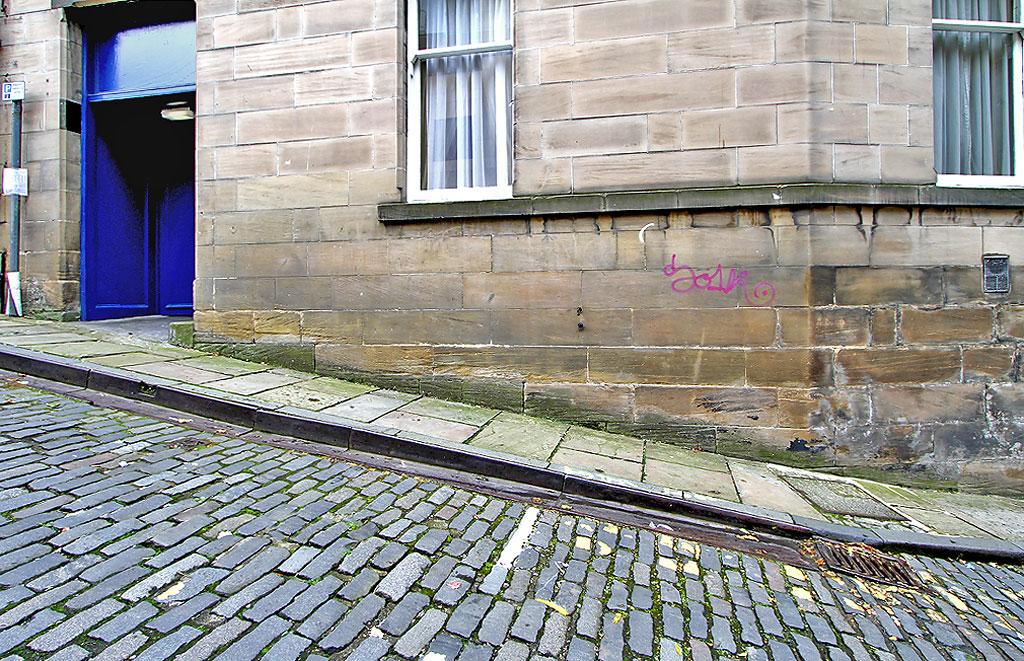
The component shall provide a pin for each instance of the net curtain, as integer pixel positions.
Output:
(461, 93)
(973, 87)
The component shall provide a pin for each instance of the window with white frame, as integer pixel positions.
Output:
(979, 117)
(460, 100)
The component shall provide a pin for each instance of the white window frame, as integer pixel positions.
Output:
(414, 148)
(1015, 180)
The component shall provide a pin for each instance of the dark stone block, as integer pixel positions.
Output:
(292, 356)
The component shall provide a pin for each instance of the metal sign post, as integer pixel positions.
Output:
(14, 92)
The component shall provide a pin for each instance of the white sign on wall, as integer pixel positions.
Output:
(12, 91)
(15, 181)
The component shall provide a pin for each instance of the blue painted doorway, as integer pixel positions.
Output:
(138, 168)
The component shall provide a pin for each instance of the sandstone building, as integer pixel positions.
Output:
(448, 196)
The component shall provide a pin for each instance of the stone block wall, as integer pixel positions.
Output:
(639, 94)
(871, 345)
(44, 51)
(874, 346)
(299, 136)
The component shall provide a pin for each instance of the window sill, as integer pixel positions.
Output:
(702, 198)
(451, 195)
(978, 181)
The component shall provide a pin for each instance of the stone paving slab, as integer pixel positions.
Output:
(451, 411)
(301, 397)
(520, 435)
(223, 365)
(679, 455)
(688, 478)
(44, 337)
(601, 442)
(455, 432)
(369, 407)
(417, 569)
(85, 349)
(178, 372)
(315, 394)
(631, 470)
(759, 486)
(128, 359)
(840, 497)
(949, 523)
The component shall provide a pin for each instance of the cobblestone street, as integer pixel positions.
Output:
(128, 537)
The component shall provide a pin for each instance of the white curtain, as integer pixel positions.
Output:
(463, 94)
(973, 91)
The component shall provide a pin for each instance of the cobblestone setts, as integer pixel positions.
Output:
(122, 536)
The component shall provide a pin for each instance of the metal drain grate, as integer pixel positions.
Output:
(866, 562)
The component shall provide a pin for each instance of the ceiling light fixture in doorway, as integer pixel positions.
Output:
(177, 111)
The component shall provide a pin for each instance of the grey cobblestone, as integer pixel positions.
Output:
(76, 626)
(468, 614)
(311, 598)
(322, 619)
(611, 643)
(360, 585)
(250, 645)
(352, 624)
(123, 648)
(70, 653)
(247, 595)
(119, 562)
(263, 562)
(416, 638)
(183, 612)
(327, 560)
(288, 648)
(214, 640)
(403, 576)
(125, 622)
(455, 586)
(169, 645)
(105, 485)
(108, 587)
(13, 636)
(405, 611)
(275, 601)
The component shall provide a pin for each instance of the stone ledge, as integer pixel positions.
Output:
(783, 195)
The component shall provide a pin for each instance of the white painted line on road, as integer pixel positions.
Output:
(517, 542)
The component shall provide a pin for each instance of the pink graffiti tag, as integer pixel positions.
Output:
(763, 293)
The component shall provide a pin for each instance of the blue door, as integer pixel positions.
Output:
(138, 208)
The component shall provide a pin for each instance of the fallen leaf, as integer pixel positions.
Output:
(801, 593)
(553, 605)
(171, 591)
(853, 604)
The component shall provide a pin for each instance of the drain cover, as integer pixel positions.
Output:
(866, 562)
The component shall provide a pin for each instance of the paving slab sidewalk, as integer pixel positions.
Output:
(788, 493)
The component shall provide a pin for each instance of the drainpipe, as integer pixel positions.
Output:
(13, 269)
